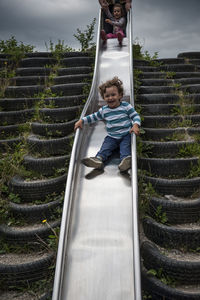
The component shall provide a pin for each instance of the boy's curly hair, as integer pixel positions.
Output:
(109, 83)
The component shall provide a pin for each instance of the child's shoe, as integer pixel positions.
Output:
(120, 38)
(103, 36)
(125, 164)
(93, 162)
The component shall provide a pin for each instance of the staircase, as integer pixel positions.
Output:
(169, 96)
(38, 110)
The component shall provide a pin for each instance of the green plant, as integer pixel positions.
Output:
(176, 85)
(159, 273)
(11, 164)
(58, 49)
(14, 198)
(146, 191)
(146, 296)
(176, 136)
(137, 81)
(189, 150)
(170, 75)
(6, 72)
(194, 170)
(147, 56)
(160, 215)
(138, 54)
(143, 150)
(15, 49)
(183, 110)
(180, 123)
(85, 38)
(53, 239)
(137, 49)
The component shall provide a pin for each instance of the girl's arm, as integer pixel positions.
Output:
(119, 23)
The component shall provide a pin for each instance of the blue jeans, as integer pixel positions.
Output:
(110, 144)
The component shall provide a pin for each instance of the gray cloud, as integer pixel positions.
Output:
(168, 27)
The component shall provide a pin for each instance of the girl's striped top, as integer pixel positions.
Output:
(118, 120)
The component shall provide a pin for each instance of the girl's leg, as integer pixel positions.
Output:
(120, 36)
(103, 35)
(111, 35)
(125, 146)
(109, 144)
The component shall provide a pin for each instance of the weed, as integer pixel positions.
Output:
(14, 198)
(146, 191)
(196, 137)
(159, 273)
(52, 238)
(146, 296)
(16, 50)
(152, 59)
(11, 164)
(47, 93)
(58, 49)
(143, 150)
(189, 150)
(183, 110)
(138, 54)
(176, 85)
(160, 216)
(194, 170)
(86, 89)
(137, 49)
(6, 73)
(176, 136)
(85, 38)
(170, 75)
(137, 81)
(180, 123)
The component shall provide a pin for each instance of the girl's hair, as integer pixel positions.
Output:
(120, 6)
(109, 83)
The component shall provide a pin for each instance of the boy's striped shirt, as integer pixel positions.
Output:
(118, 120)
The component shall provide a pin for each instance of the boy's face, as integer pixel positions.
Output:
(112, 97)
(117, 12)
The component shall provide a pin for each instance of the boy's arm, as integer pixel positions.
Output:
(135, 129)
(97, 116)
(135, 117)
(78, 124)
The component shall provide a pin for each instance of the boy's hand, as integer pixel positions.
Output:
(135, 129)
(78, 124)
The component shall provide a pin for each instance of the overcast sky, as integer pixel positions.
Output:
(164, 26)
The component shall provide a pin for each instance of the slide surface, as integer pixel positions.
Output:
(95, 257)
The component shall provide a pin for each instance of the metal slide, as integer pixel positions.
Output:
(98, 254)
